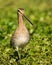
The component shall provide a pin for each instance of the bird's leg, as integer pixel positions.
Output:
(18, 50)
(19, 54)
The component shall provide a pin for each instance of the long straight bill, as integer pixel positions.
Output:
(28, 19)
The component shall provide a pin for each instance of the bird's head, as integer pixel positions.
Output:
(21, 11)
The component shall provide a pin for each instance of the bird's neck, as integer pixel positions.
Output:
(20, 20)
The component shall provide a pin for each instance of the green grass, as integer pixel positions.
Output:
(39, 49)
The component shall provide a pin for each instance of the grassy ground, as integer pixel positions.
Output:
(39, 49)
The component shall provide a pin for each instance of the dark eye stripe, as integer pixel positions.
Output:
(18, 11)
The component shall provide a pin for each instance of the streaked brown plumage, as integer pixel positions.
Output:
(21, 35)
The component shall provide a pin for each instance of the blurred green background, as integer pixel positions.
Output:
(39, 49)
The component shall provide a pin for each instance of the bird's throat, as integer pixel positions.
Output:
(20, 21)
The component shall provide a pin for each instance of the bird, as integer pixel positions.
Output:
(21, 35)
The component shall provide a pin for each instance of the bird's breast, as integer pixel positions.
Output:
(21, 39)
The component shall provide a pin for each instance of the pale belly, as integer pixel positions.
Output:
(21, 40)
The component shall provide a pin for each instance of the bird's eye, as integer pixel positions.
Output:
(18, 10)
